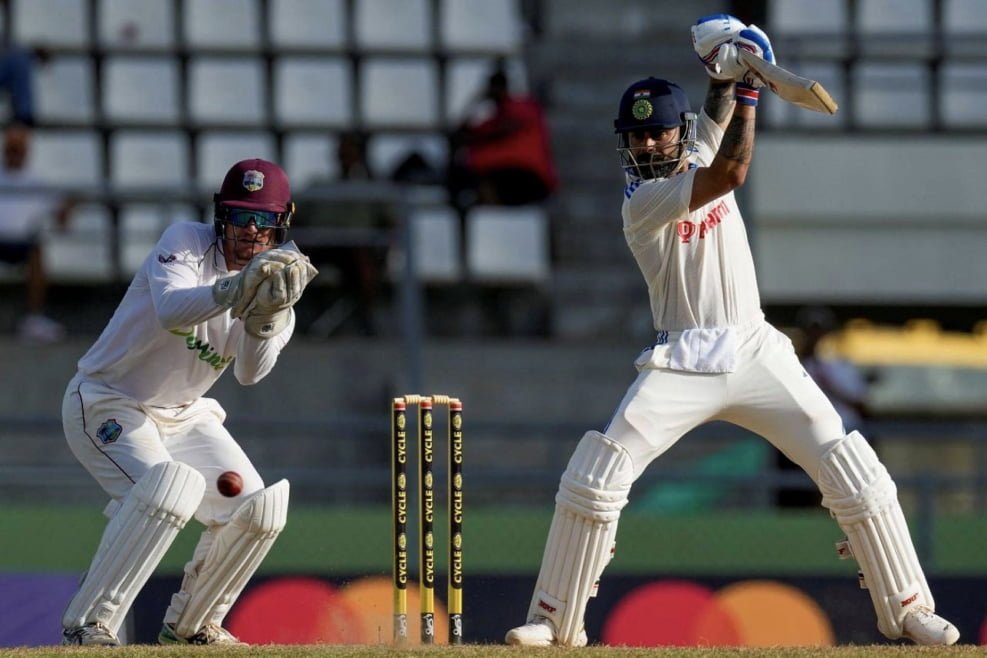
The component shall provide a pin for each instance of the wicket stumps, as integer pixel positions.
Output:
(426, 515)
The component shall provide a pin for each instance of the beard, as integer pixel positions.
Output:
(243, 248)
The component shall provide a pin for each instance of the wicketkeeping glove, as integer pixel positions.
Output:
(239, 289)
(266, 325)
(283, 288)
(269, 312)
(712, 39)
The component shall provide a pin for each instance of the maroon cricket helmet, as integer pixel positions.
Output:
(257, 185)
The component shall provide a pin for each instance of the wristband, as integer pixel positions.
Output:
(746, 94)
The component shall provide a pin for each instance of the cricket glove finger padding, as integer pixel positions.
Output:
(269, 312)
(156, 508)
(237, 291)
(284, 288)
(226, 558)
(712, 39)
(753, 39)
(580, 542)
(860, 494)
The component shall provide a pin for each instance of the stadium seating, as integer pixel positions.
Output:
(143, 93)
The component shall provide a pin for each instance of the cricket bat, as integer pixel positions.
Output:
(795, 89)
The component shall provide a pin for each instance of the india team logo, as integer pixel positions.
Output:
(642, 109)
(253, 180)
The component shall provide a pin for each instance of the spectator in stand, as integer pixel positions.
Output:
(501, 155)
(359, 260)
(17, 65)
(25, 206)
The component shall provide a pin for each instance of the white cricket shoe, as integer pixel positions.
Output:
(922, 626)
(539, 632)
(208, 634)
(90, 635)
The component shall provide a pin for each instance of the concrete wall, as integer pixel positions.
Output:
(847, 219)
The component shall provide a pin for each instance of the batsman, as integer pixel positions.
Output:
(715, 357)
(207, 297)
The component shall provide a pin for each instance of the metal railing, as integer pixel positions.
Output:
(400, 200)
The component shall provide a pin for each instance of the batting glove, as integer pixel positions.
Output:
(712, 39)
(753, 39)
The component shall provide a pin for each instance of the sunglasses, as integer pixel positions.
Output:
(262, 219)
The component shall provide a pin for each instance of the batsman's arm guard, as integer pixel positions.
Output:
(860, 494)
(580, 542)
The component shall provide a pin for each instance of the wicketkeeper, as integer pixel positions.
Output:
(207, 297)
(714, 358)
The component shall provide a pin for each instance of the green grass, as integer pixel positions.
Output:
(492, 651)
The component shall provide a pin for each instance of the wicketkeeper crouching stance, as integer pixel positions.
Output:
(715, 357)
(134, 415)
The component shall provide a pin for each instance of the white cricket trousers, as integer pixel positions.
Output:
(117, 439)
(768, 393)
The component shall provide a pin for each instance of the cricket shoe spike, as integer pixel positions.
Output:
(208, 634)
(539, 632)
(924, 627)
(90, 635)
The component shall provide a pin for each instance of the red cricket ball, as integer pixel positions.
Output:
(229, 484)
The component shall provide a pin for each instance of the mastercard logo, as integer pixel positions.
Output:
(750, 613)
(753, 613)
(302, 610)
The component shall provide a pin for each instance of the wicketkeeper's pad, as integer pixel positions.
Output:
(158, 505)
(225, 560)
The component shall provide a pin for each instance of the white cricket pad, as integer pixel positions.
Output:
(860, 494)
(591, 494)
(226, 558)
(157, 507)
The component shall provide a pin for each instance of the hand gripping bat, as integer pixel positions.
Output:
(795, 89)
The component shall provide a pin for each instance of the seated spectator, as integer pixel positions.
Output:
(24, 209)
(503, 158)
(359, 263)
(415, 169)
(17, 65)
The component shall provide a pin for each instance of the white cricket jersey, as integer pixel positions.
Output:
(698, 265)
(168, 341)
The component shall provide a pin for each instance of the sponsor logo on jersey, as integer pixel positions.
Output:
(170, 258)
(206, 352)
(109, 431)
(687, 230)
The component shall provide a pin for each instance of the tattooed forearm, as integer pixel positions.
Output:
(719, 101)
(738, 141)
